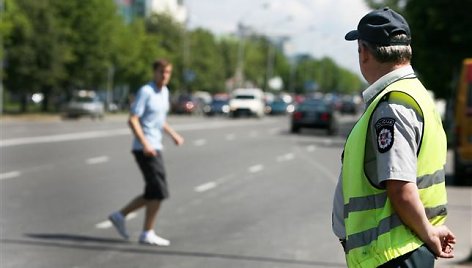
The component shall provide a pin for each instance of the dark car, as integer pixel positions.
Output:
(217, 107)
(348, 106)
(314, 113)
(185, 104)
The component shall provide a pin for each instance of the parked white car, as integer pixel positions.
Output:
(247, 101)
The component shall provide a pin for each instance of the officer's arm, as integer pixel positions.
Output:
(406, 202)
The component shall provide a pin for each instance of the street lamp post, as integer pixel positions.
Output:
(271, 52)
(239, 74)
(242, 32)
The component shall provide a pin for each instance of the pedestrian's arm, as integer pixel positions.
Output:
(406, 202)
(135, 126)
(178, 139)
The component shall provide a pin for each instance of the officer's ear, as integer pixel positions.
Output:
(364, 52)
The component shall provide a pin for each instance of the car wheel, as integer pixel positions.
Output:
(234, 114)
(295, 129)
(459, 171)
(332, 131)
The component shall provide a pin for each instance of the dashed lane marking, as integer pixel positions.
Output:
(200, 142)
(9, 175)
(285, 157)
(230, 137)
(205, 187)
(274, 131)
(107, 224)
(253, 134)
(97, 160)
(256, 168)
(311, 148)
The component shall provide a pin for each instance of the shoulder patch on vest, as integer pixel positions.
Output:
(384, 130)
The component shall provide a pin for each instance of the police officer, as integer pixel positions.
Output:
(390, 202)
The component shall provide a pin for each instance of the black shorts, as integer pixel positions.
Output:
(154, 175)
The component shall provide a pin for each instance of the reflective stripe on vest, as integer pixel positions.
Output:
(374, 232)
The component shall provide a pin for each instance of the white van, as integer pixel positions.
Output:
(247, 101)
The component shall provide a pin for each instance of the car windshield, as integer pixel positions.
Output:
(313, 106)
(219, 102)
(83, 99)
(244, 97)
(184, 98)
(279, 102)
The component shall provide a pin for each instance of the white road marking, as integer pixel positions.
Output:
(65, 137)
(253, 134)
(328, 142)
(205, 187)
(256, 168)
(103, 225)
(122, 131)
(273, 131)
(97, 160)
(200, 142)
(285, 157)
(230, 137)
(10, 175)
(107, 224)
(311, 148)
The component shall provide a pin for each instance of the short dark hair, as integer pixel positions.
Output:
(160, 63)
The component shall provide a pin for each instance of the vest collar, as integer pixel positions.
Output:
(374, 89)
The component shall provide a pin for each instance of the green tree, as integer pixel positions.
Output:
(228, 48)
(206, 62)
(136, 51)
(35, 62)
(255, 60)
(169, 35)
(281, 67)
(441, 38)
(326, 74)
(91, 26)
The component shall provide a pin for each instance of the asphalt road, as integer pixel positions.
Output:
(244, 193)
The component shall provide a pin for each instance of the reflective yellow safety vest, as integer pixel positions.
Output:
(374, 233)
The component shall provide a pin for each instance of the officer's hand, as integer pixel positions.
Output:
(442, 242)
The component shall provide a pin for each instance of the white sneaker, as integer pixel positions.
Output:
(119, 222)
(150, 238)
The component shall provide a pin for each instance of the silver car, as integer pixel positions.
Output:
(85, 103)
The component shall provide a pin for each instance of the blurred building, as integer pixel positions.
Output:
(131, 9)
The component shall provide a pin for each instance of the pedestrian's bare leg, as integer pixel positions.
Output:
(135, 204)
(152, 207)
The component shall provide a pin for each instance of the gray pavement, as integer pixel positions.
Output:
(244, 193)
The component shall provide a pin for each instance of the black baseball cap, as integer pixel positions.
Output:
(378, 26)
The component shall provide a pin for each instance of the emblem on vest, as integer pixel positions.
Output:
(384, 129)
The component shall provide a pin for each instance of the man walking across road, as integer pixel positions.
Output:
(390, 202)
(148, 121)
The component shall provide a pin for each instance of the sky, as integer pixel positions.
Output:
(316, 27)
